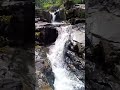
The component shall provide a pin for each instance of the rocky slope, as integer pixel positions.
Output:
(17, 70)
(102, 45)
(44, 74)
(15, 25)
(17, 66)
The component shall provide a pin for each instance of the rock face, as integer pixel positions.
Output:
(19, 27)
(44, 74)
(60, 15)
(46, 35)
(75, 60)
(43, 15)
(74, 52)
(17, 70)
(76, 14)
(102, 45)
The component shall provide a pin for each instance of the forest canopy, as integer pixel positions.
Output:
(45, 4)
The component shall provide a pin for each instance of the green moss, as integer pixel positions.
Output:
(5, 19)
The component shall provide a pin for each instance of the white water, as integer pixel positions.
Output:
(64, 80)
(53, 16)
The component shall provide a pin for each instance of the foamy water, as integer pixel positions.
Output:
(64, 80)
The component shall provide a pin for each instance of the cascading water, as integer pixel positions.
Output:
(53, 16)
(64, 79)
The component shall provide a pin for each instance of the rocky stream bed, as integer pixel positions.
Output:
(60, 56)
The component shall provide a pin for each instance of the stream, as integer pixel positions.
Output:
(64, 79)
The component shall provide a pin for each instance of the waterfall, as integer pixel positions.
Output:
(64, 80)
(53, 16)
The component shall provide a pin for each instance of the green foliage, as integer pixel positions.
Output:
(79, 1)
(46, 4)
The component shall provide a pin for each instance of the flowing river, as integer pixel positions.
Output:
(64, 79)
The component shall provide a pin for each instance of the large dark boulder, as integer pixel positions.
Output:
(47, 35)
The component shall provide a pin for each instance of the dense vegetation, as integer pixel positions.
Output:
(45, 4)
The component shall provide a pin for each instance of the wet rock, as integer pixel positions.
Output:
(47, 35)
(76, 15)
(60, 15)
(43, 15)
(44, 74)
(74, 21)
(37, 20)
(74, 58)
